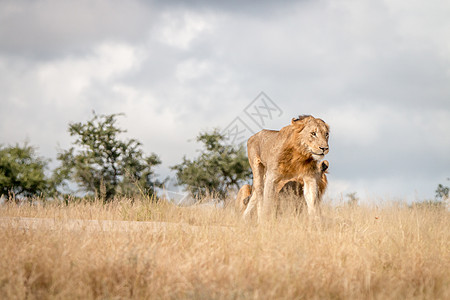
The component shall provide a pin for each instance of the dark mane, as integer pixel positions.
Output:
(301, 117)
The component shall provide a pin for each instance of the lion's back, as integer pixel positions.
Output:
(264, 145)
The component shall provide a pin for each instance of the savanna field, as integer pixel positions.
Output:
(75, 251)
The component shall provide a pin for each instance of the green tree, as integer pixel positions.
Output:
(442, 192)
(104, 165)
(22, 172)
(217, 169)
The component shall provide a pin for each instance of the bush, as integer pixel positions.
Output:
(22, 172)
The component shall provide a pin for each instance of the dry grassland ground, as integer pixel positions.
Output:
(394, 252)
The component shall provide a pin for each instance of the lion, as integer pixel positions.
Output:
(242, 198)
(290, 154)
(285, 190)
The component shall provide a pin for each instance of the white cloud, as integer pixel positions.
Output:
(65, 80)
(192, 69)
(180, 28)
(46, 28)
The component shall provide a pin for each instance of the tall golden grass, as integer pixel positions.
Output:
(393, 252)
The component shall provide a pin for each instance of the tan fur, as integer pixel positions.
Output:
(297, 185)
(285, 188)
(242, 198)
(291, 154)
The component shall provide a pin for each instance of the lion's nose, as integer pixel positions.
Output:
(323, 149)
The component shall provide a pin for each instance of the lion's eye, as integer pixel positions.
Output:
(313, 134)
(327, 134)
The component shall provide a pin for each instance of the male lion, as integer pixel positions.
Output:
(277, 157)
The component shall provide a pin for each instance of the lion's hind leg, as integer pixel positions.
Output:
(258, 189)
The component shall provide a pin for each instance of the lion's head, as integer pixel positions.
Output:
(306, 143)
(312, 135)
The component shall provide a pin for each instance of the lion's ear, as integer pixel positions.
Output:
(298, 124)
(296, 121)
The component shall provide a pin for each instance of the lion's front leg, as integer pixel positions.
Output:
(311, 194)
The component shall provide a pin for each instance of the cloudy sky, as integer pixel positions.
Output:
(377, 71)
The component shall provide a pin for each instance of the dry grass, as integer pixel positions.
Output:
(393, 252)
